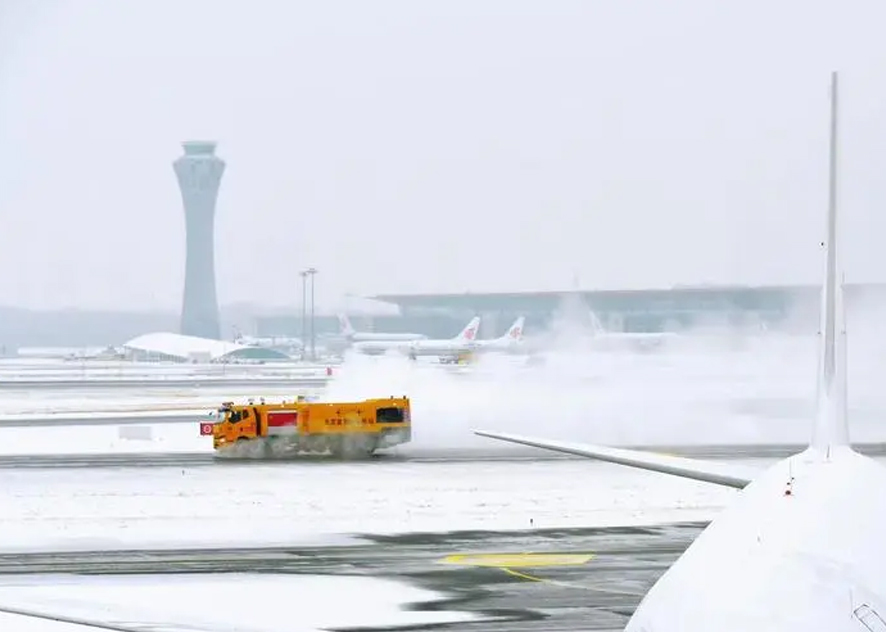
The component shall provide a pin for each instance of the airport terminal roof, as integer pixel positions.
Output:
(747, 297)
(520, 301)
(182, 347)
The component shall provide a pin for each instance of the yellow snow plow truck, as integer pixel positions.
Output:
(347, 429)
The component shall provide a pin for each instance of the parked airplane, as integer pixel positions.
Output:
(352, 335)
(451, 347)
(461, 344)
(510, 342)
(801, 547)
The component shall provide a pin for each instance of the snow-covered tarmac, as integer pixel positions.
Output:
(696, 391)
(186, 603)
(750, 390)
(274, 504)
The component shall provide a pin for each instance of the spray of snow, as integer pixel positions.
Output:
(714, 385)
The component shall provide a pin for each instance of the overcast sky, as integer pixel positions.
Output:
(424, 146)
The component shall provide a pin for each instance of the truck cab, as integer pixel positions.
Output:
(235, 423)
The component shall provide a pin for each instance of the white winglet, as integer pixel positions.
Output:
(710, 472)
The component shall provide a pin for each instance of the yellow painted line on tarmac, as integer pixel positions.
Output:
(525, 576)
(508, 562)
(519, 560)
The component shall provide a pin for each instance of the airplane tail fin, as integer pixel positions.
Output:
(345, 324)
(831, 424)
(515, 333)
(470, 331)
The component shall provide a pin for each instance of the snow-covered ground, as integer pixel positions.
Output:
(754, 390)
(695, 390)
(284, 503)
(129, 438)
(281, 503)
(190, 603)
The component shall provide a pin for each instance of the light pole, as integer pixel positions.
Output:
(304, 310)
(312, 272)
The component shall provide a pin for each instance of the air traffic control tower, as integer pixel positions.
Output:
(199, 174)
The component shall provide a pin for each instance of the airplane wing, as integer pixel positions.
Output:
(710, 472)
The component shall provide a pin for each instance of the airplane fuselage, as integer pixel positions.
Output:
(379, 347)
(412, 347)
(459, 344)
(440, 347)
(382, 337)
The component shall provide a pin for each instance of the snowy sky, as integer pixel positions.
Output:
(459, 145)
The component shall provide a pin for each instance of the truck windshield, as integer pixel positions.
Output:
(389, 415)
(233, 416)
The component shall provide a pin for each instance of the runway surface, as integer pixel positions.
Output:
(427, 455)
(518, 581)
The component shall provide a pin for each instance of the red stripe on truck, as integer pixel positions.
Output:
(275, 420)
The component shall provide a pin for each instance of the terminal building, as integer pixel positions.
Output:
(443, 315)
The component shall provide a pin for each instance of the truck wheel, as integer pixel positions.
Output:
(356, 447)
(336, 447)
(267, 448)
(249, 448)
